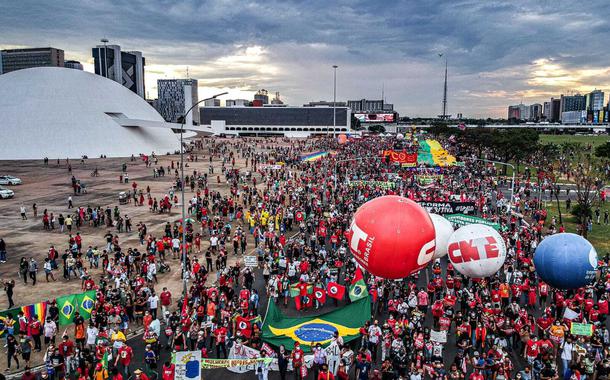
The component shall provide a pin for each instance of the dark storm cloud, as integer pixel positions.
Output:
(482, 39)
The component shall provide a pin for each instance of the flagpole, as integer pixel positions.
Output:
(266, 311)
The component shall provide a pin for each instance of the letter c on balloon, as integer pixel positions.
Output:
(426, 252)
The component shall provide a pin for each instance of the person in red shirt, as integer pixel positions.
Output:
(422, 300)
(476, 375)
(35, 332)
(166, 300)
(532, 349)
(124, 356)
(602, 305)
(139, 375)
(220, 335)
(325, 374)
(298, 358)
(168, 371)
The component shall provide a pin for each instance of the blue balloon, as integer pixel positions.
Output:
(566, 261)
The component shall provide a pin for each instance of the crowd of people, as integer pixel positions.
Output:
(292, 215)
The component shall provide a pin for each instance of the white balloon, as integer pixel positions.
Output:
(443, 230)
(400, 136)
(476, 250)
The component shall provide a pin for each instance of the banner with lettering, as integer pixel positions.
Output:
(459, 220)
(234, 363)
(380, 184)
(403, 158)
(443, 208)
(428, 179)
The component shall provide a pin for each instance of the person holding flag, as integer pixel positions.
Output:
(357, 289)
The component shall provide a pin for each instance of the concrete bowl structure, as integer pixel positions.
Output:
(59, 113)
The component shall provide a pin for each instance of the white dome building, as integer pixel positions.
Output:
(59, 113)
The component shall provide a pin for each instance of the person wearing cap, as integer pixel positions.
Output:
(140, 375)
(100, 372)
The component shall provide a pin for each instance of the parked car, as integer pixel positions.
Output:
(6, 193)
(9, 180)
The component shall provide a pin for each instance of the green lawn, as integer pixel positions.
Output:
(558, 139)
(599, 237)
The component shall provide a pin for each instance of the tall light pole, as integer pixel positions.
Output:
(334, 98)
(105, 41)
(182, 185)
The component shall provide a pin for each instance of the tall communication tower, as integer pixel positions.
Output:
(444, 115)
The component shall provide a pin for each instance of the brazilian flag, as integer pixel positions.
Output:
(295, 291)
(14, 313)
(279, 329)
(86, 302)
(67, 306)
(357, 289)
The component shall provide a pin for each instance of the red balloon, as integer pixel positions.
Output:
(391, 237)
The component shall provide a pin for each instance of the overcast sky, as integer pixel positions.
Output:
(499, 52)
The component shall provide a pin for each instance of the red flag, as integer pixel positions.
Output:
(374, 294)
(335, 290)
(297, 302)
(299, 216)
(244, 326)
(320, 295)
(185, 303)
(357, 276)
(308, 301)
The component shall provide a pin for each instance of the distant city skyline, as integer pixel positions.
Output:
(498, 53)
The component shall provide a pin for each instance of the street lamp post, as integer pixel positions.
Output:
(334, 98)
(182, 185)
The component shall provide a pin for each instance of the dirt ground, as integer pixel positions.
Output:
(50, 186)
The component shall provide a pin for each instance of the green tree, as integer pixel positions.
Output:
(586, 172)
(478, 138)
(603, 150)
(377, 128)
(441, 129)
(514, 144)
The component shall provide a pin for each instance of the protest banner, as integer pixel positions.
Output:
(380, 184)
(403, 158)
(584, 329)
(428, 179)
(438, 336)
(250, 261)
(459, 220)
(232, 364)
(444, 208)
(188, 365)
